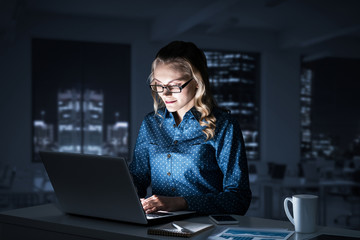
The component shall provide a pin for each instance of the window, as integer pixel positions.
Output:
(80, 97)
(234, 78)
(306, 79)
(330, 120)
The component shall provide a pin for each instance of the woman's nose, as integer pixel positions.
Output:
(167, 92)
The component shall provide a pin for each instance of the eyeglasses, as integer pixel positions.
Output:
(171, 88)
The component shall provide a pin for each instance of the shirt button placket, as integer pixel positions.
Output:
(168, 173)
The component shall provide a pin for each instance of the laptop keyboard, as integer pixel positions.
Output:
(157, 214)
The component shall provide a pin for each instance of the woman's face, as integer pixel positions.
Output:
(180, 103)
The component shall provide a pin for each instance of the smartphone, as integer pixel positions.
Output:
(223, 219)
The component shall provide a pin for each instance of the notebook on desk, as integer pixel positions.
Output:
(99, 186)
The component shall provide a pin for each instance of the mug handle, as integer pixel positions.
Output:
(288, 214)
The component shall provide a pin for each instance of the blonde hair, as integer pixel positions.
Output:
(204, 102)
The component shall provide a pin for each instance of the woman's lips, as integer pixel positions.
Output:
(169, 102)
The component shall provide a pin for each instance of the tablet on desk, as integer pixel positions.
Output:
(333, 237)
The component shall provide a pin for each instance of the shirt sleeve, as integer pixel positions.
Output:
(231, 158)
(139, 167)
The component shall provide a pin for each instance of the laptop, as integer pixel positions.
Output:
(99, 186)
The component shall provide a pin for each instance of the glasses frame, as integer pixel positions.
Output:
(167, 87)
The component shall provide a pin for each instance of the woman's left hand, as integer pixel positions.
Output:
(156, 203)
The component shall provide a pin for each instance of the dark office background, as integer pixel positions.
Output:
(80, 97)
(306, 74)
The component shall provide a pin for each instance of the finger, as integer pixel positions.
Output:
(146, 202)
(145, 205)
(151, 210)
(152, 204)
(148, 205)
(151, 200)
(153, 197)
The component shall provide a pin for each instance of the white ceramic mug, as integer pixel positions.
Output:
(304, 210)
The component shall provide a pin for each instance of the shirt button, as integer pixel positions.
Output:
(174, 125)
(173, 189)
(168, 173)
(169, 155)
(176, 141)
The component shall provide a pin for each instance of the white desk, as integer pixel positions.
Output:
(48, 222)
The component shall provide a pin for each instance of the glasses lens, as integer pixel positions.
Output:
(156, 88)
(174, 89)
(159, 88)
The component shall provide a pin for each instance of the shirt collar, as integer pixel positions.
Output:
(193, 113)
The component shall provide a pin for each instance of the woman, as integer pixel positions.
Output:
(191, 152)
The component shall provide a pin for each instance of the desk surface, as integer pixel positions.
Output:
(50, 219)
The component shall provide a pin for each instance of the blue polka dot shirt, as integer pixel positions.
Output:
(211, 175)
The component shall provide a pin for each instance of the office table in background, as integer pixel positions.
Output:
(48, 222)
